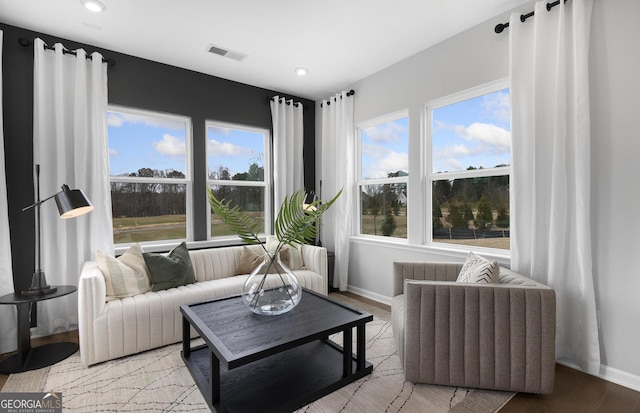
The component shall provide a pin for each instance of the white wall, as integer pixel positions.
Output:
(615, 89)
(480, 56)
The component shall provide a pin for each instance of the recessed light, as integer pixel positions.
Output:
(94, 5)
(301, 71)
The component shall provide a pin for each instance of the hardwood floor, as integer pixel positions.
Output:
(574, 391)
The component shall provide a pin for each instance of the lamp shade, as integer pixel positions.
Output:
(72, 203)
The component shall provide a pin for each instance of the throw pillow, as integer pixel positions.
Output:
(295, 261)
(126, 275)
(171, 270)
(252, 256)
(477, 269)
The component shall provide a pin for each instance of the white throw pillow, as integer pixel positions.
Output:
(126, 275)
(477, 269)
(295, 261)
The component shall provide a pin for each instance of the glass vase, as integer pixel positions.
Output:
(271, 288)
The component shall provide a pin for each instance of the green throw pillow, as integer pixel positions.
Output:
(172, 270)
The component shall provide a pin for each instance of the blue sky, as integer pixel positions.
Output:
(234, 149)
(475, 132)
(139, 141)
(384, 148)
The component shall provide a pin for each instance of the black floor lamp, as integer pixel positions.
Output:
(71, 203)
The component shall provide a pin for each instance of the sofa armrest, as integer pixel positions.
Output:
(496, 336)
(315, 259)
(92, 296)
(431, 271)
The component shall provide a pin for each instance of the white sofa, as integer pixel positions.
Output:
(120, 327)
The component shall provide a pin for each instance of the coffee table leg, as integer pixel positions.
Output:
(360, 336)
(347, 351)
(214, 378)
(186, 338)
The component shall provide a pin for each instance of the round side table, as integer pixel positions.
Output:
(27, 357)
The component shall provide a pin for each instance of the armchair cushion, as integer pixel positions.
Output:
(477, 269)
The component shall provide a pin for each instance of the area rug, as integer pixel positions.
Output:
(158, 381)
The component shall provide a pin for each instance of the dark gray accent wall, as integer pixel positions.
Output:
(137, 83)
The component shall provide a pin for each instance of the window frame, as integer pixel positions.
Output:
(187, 181)
(431, 176)
(361, 182)
(267, 183)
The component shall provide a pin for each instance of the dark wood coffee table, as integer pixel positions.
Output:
(257, 363)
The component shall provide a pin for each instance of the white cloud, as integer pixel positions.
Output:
(384, 161)
(491, 137)
(113, 152)
(387, 132)
(219, 130)
(454, 165)
(498, 106)
(117, 119)
(393, 162)
(216, 148)
(170, 145)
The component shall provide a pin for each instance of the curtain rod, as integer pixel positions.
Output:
(523, 17)
(349, 93)
(26, 43)
(284, 100)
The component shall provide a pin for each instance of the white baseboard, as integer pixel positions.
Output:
(610, 374)
(370, 295)
(607, 373)
(620, 377)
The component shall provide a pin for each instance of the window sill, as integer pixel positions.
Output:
(168, 245)
(459, 253)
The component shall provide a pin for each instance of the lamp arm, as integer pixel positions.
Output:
(38, 203)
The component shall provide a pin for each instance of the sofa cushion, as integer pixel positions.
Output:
(253, 256)
(295, 261)
(479, 269)
(126, 275)
(172, 270)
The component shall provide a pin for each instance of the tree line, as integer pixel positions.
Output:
(489, 196)
(139, 199)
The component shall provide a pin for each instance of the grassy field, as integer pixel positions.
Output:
(501, 243)
(371, 225)
(140, 229)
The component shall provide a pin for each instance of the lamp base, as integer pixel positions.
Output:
(39, 285)
(38, 291)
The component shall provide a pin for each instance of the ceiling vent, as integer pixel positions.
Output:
(231, 54)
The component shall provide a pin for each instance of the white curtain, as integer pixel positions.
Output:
(7, 312)
(338, 172)
(70, 144)
(288, 142)
(551, 234)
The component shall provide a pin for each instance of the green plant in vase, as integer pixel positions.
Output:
(272, 288)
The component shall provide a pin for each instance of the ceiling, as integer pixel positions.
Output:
(338, 41)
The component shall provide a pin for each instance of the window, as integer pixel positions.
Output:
(383, 175)
(238, 170)
(149, 161)
(470, 167)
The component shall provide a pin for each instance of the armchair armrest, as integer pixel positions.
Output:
(428, 271)
(92, 296)
(315, 259)
(497, 336)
